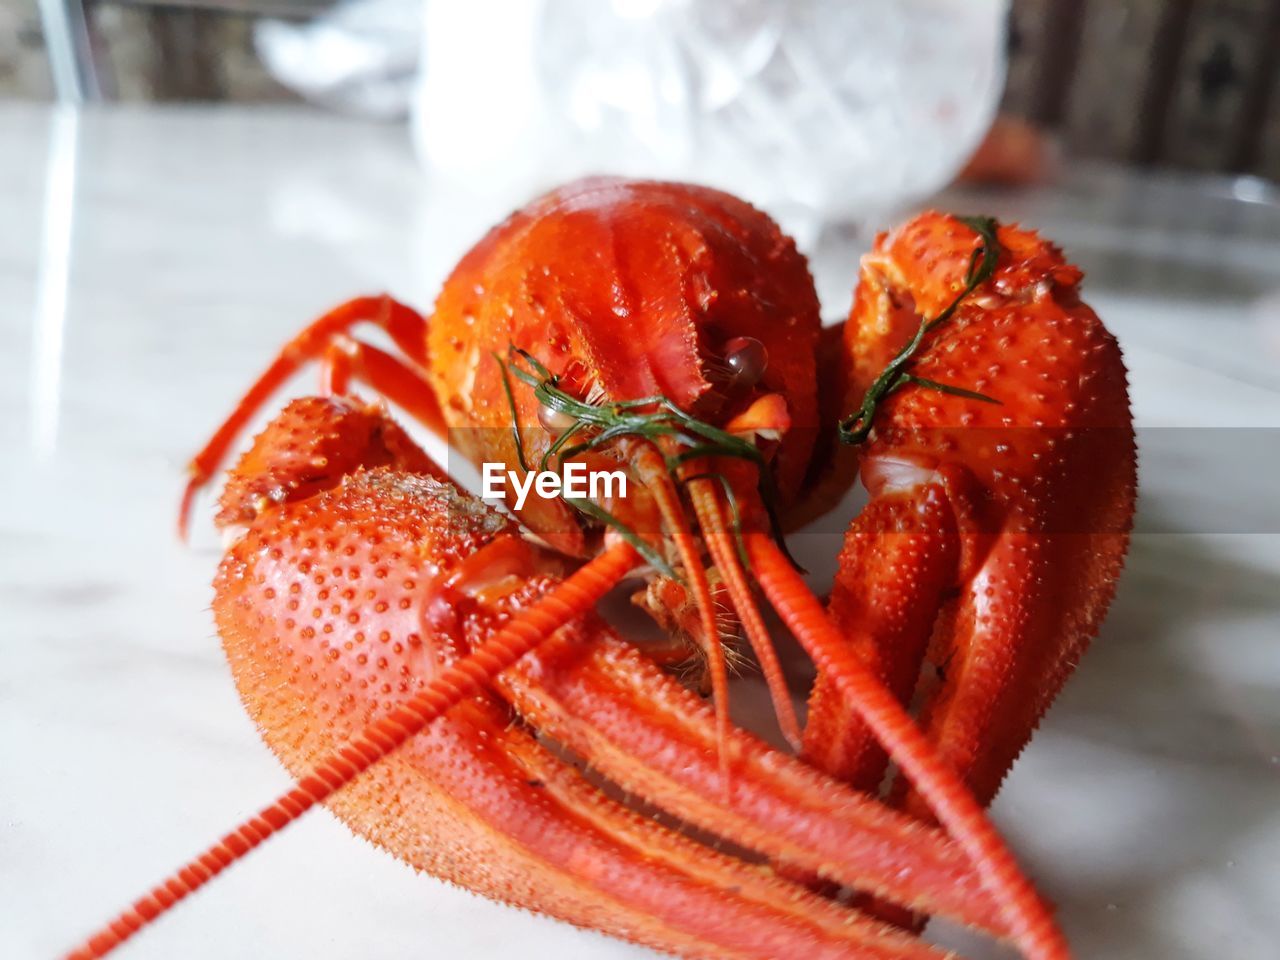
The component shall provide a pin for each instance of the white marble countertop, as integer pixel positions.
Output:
(134, 307)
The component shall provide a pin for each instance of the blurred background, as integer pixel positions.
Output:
(1183, 83)
(826, 113)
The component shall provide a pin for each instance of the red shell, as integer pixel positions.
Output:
(677, 271)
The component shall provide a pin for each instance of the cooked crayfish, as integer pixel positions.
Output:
(432, 669)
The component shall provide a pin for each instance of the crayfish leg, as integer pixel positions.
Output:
(655, 740)
(899, 560)
(664, 493)
(347, 359)
(406, 327)
(710, 508)
(1019, 627)
(951, 802)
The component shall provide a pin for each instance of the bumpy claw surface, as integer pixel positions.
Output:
(337, 607)
(996, 533)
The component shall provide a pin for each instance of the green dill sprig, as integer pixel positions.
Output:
(594, 425)
(855, 428)
(515, 423)
(585, 507)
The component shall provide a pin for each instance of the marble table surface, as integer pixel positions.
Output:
(151, 260)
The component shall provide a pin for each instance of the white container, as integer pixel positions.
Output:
(816, 110)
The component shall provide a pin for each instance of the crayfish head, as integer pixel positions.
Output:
(621, 291)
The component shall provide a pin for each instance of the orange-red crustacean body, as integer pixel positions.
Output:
(431, 672)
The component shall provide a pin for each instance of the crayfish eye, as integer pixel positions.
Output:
(554, 421)
(746, 359)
